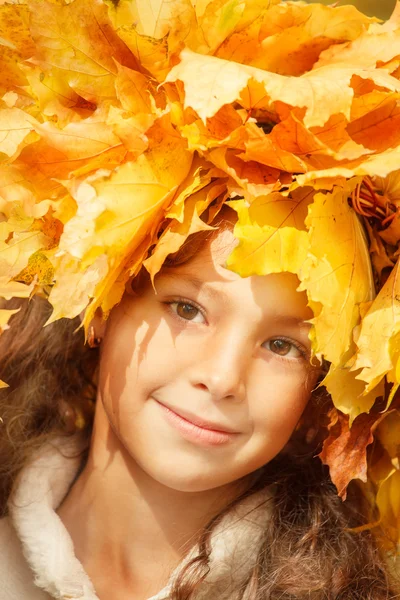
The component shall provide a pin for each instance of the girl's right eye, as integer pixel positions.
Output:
(187, 311)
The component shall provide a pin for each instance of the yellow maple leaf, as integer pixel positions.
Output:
(77, 40)
(14, 289)
(388, 503)
(5, 316)
(379, 128)
(247, 178)
(219, 82)
(130, 129)
(292, 36)
(272, 234)
(81, 146)
(377, 352)
(380, 165)
(15, 126)
(75, 286)
(135, 199)
(348, 393)
(16, 250)
(178, 232)
(17, 46)
(375, 44)
(337, 277)
(54, 97)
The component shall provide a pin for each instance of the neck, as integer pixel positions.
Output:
(140, 528)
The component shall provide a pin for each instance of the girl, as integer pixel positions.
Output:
(174, 458)
(194, 481)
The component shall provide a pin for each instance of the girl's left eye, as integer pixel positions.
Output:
(187, 311)
(283, 347)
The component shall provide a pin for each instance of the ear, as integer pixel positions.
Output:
(97, 328)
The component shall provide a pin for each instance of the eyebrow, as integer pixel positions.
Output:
(195, 282)
(291, 320)
(200, 285)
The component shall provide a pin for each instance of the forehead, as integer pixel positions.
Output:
(206, 271)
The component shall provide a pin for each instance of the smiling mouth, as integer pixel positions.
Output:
(197, 430)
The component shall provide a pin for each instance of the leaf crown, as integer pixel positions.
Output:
(124, 123)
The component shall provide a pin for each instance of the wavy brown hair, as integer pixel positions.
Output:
(309, 548)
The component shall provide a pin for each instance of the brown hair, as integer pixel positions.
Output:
(309, 550)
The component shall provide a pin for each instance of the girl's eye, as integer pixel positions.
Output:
(187, 311)
(283, 348)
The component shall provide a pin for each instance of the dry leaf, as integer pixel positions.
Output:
(378, 351)
(218, 82)
(271, 233)
(345, 449)
(337, 277)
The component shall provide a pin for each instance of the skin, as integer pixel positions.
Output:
(232, 351)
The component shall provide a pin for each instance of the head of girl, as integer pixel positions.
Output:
(204, 375)
(198, 386)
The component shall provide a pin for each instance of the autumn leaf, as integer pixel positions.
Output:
(15, 126)
(373, 45)
(377, 348)
(349, 394)
(13, 289)
(379, 165)
(379, 254)
(77, 40)
(345, 449)
(378, 129)
(291, 36)
(16, 248)
(337, 278)
(17, 45)
(78, 148)
(151, 180)
(178, 232)
(248, 178)
(272, 234)
(133, 90)
(220, 82)
(75, 286)
(388, 503)
(5, 316)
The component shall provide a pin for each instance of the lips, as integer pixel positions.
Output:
(198, 421)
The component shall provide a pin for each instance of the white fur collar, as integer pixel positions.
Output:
(48, 548)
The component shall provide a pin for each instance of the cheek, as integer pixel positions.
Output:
(136, 358)
(279, 402)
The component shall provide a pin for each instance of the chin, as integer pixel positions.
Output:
(187, 479)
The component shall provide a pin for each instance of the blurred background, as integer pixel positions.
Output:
(377, 8)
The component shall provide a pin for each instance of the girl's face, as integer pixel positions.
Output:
(204, 380)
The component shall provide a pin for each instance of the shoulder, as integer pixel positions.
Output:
(15, 575)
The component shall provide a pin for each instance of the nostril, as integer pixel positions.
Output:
(201, 386)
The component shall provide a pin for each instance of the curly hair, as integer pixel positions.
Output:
(310, 548)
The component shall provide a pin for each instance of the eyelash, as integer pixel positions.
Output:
(299, 347)
(169, 303)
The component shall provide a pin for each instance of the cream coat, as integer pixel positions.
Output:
(37, 560)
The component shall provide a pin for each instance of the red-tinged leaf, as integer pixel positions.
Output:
(345, 449)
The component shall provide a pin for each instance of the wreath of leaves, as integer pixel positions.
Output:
(122, 123)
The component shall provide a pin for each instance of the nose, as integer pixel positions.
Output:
(223, 367)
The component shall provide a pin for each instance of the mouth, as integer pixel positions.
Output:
(197, 429)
